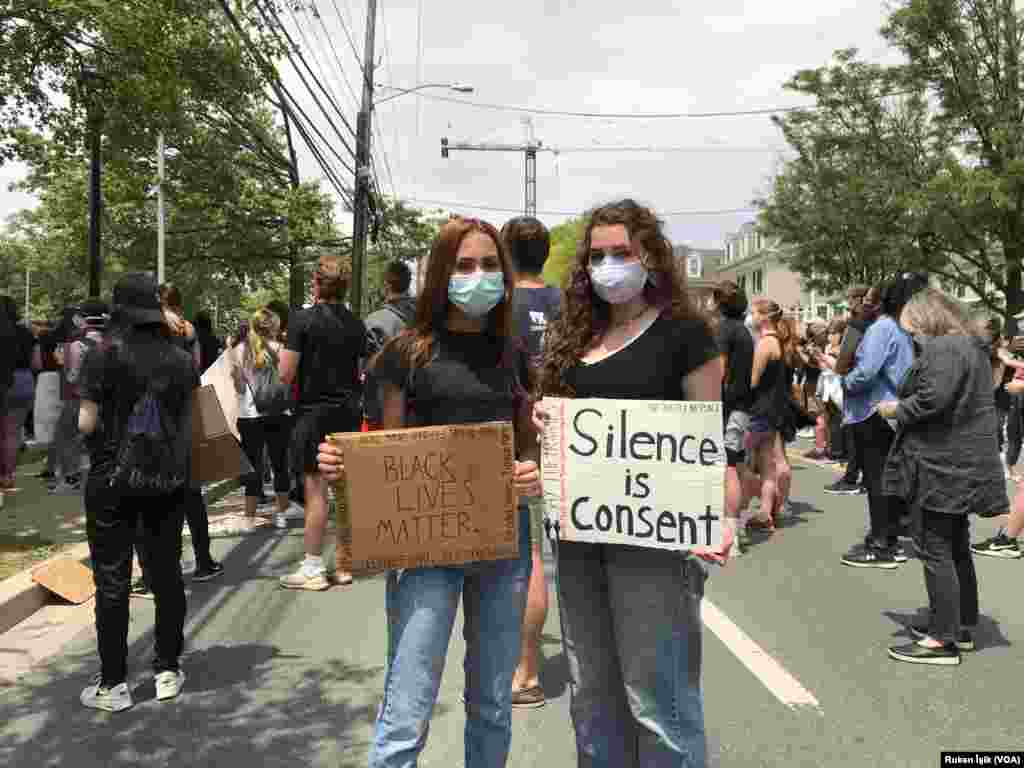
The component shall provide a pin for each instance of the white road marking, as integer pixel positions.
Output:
(786, 688)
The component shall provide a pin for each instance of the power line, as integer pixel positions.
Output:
(334, 50)
(637, 115)
(348, 35)
(317, 60)
(451, 204)
(298, 52)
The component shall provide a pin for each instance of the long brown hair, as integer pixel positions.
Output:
(432, 307)
(587, 315)
(783, 329)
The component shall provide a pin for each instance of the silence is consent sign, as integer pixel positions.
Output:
(640, 472)
(430, 496)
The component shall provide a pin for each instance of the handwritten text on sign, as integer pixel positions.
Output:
(640, 472)
(430, 496)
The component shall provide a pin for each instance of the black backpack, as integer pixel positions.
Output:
(152, 458)
(270, 395)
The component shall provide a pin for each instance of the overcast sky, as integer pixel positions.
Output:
(572, 55)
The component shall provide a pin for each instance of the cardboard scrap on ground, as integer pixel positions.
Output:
(431, 496)
(640, 472)
(66, 578)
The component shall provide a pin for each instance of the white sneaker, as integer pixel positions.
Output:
(303, 579)
(116, 699)
(295, 512)
(168, 684)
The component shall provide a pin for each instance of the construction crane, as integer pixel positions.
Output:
(529, 149)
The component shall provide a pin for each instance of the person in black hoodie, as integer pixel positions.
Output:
(395, 316)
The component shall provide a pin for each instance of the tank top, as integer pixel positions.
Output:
(769, 394)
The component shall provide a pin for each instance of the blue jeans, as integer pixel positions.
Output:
(421, 607)
(631, 630)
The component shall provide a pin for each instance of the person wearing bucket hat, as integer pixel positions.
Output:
(142, 365)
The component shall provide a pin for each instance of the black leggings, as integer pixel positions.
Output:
(274, 433)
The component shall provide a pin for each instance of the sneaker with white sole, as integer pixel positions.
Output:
(168, 683)
(303, 579)
(999, 545)
(116, 698)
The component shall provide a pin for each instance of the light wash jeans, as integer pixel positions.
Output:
(421, 606)
(631, 630)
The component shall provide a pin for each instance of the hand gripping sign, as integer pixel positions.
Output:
(430, 496)
(641, 472)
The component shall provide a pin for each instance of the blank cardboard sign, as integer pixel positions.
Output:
(66, 578)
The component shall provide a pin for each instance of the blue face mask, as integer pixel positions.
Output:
(478, 293)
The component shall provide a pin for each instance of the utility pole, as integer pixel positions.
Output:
(161, 215)
(90, 79)
(529, 150)
(296, 275)
(360, 218)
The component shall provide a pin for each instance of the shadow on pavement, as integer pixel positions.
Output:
(554, 670)
(242, 703)
(987, 635)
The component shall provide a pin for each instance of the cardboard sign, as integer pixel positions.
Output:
(219, 377)
(66, 578)
(216, 454)
(432, 496)
(640, 472)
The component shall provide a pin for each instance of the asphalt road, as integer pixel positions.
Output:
(281, 678)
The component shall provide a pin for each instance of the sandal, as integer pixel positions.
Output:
(528, 698)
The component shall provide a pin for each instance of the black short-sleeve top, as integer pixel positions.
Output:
(652, 366)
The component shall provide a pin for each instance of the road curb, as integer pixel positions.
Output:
(20, 597)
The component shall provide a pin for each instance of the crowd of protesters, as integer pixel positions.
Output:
(924, 407)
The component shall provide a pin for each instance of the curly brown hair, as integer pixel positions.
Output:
(586, 315)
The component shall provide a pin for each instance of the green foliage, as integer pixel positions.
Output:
(234, 222)
(404, 234)
(565, 238)
(885, 179)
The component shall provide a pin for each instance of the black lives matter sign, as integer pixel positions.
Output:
(639, 472)
(430, 496)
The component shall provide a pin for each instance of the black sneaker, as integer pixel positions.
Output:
(870, 557)
(140, 589)
(915, 653)
(899, 553)
(862, 490)
(964, 641)
(209, 571)
(45, 475)
(999, 545)
(842, 488)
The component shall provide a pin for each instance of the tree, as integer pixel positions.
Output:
(968, 52)
(565, 238)
(851, 206)
(888, 178)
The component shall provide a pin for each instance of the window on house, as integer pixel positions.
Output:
(757, 281)
(961, 290)
(693, 266)
(823, 311)
(742, 282)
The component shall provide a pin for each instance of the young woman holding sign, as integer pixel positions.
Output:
(457, 365)
(631, 624)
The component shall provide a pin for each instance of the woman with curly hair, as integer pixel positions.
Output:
(630, 616)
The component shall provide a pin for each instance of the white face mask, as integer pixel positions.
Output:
(617, 281)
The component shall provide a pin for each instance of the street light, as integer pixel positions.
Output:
(456, 87)
(161, 217)
(89, 77)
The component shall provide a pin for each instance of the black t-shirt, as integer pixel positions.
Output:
(532, 310)
(116, 376)
(331, 341)
(736, 343)
(652, 367)
(470, 378)
(24, 342)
